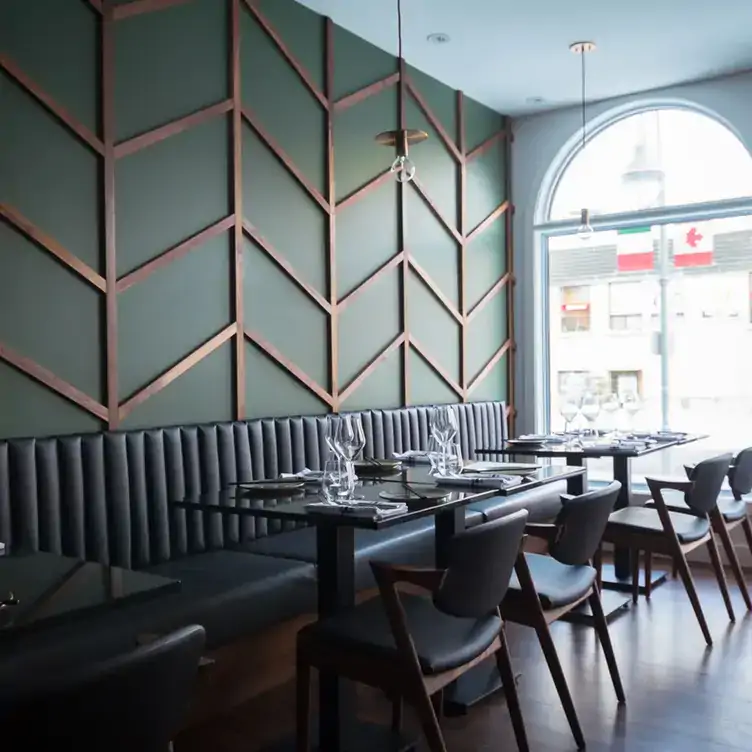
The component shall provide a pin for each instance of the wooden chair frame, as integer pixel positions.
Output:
(404, 678)
(528, 611)
(666, 542)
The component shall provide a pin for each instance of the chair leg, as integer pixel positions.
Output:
(601, 627)
(427, 718)
(648, 574)
(303, 706)
(397, 707)
(747, 532)
(715, 560)
(504, 665)
(689, 586)
(560, 681)
(437, 700)
(674, 568)
(598, 564)
(635, 574)
(736, 567)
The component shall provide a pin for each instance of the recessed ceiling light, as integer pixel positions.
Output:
(535, 100)
(439, 38)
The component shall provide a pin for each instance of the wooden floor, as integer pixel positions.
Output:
(681, 696)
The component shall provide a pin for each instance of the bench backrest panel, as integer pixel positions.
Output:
(105, 497)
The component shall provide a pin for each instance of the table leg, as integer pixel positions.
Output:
(483, 680)
(577, 484)
(619, 575)
(335, 545)
(338, 727)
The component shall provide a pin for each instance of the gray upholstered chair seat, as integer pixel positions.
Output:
(557, 584)
(409, 544)
(542, 504)
(442, 642)
(688, 528)
(731, 509)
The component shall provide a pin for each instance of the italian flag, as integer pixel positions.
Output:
(634, 249)
(693, 245)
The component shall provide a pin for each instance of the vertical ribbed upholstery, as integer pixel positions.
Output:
(106, 497)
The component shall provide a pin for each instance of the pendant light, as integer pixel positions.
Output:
(403, 168)
(585, 230)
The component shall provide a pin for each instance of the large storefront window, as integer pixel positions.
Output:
(653, 322)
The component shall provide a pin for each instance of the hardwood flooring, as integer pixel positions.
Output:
(681, 696)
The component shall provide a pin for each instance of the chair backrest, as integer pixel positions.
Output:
(707, 478)
(581, 523)
(132, 703)
(481, 561)
(740, 473)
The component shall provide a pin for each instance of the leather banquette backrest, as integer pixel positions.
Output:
(106, 497)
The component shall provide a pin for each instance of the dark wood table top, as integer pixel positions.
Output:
(41, 589)
(593, 451)
(242, 501)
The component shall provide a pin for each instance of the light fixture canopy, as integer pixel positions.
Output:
(403, 168)
(585, 230)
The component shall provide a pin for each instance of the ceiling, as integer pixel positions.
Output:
(505, 53)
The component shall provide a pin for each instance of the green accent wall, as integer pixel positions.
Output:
(312, 331)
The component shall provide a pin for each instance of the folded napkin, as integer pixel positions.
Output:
(354, 508)
(479, 480)
(309, 476)
(413, 456)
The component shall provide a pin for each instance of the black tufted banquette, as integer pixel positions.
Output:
(105, 497)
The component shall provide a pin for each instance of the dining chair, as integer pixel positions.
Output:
(726, 516)
(411, 646)
(131, 703)
(655, 528)
(548, 586)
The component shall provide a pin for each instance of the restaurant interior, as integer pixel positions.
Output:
(372, 376)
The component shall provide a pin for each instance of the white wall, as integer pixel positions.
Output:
(539, 142)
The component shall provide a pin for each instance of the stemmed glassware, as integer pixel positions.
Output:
(346, 440)
(590, 407)
(632, 405)
(444, 452)
(610, 406)
(569, 410)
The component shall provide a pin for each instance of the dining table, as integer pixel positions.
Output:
(575, 451)
(338, 728)
(39, 590)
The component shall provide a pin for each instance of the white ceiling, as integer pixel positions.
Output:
(503, 53)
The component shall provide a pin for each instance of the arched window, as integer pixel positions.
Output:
(649, 320)
(621, 168)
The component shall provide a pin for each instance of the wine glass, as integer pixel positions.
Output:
(632, 405)
(568, 409)
(443, 424)
(590, 409)
(610, 406)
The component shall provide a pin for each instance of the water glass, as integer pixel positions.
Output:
(335, 481)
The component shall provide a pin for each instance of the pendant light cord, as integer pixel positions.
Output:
(399, 26)
(582, 58)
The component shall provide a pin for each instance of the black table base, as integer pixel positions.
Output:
(611, 581)
(475, 686)
(357, 737)
(614, 604)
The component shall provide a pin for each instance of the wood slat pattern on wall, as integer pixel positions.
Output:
(333, 303)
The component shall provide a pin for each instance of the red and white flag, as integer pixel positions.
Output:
(634, 249)
(693, 244)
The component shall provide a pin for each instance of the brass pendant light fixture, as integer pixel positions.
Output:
(585, 230)
(402, 167)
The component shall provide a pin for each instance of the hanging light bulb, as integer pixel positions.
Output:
(403, 167)
(585, 230)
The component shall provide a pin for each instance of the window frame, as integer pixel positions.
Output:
(535, 366)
